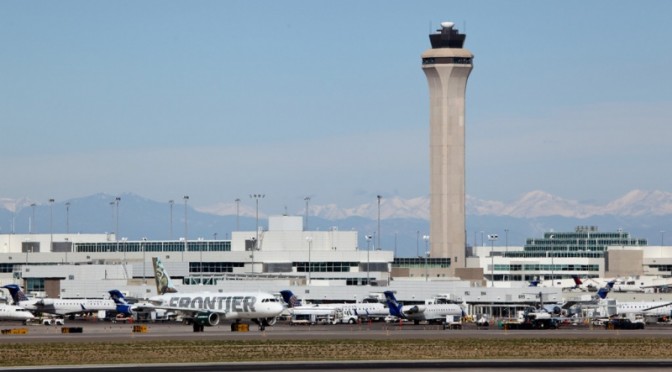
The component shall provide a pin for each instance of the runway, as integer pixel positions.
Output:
(109, 338)
(109, 332)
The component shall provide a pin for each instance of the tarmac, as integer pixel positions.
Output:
(92, 331)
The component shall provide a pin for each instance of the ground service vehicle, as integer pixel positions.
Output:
(531, 320)
(624, 323)
(453, 322)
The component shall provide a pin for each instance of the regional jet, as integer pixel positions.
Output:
(12, 312)
(360, 310)
(206, 308)
(58, 306)
(429, 312)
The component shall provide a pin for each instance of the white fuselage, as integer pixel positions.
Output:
(11, 312)
(233, 305)
(661, 308)
(366, 310)
(66, 307)
(361, 310)
(431, 312)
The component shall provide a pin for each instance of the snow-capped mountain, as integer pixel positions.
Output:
(637, 212)
(530, 205)
(14, 205)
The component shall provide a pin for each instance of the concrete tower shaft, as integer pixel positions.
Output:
(447, 67)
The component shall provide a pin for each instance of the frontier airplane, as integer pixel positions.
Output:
(207, 308)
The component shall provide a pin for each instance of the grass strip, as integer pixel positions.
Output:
(179, 351)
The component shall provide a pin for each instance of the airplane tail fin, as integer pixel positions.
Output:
(534, 283)
(290, 298)
(118, 297)
(120, 301)
(16, 293)
(602, 292)
(394, 305)
(577, 281)
(163, 283)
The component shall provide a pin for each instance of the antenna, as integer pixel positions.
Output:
(430, 26)
(464, 27)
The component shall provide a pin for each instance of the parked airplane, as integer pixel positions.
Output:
(640, 284)
(206, 308)
(566, 284)
(123, 307)
(58, 306)
(13, 312)
(653, 308)
(144, 310)
(430, 312)
(360, 310)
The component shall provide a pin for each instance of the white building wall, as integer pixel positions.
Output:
(11, 243)
(286, 234)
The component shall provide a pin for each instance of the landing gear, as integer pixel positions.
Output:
(198, 327)
(261, 322)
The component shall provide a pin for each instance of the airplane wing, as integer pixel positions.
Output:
(567, 304)
(658, 306)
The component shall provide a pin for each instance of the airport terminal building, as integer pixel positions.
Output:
(317, 265)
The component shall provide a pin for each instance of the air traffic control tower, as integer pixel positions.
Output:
(447, 66)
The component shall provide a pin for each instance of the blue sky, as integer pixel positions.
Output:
(221, 99)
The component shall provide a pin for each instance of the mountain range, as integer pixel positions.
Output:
(643, 214)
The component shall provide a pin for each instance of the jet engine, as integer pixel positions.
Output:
(45, 302)
(206, 319)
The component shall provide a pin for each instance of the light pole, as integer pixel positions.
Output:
(171, 202)
(51, 224)
(550, 237)
(32, 222)
(144, 260)
(662, 238)
(256, 197)
(116, 231)
(309, 239)
(417, 243)
(112, 228)
(237, 214)
(307, 199)
(368, 259)
(426, 239)
(378, 197)
(492, 238)
(67, 227)
(67, 218)
(186, 227)
(506, 240)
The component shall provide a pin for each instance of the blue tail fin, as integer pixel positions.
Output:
(394, 305)
(602, 292)
(163, 283)
(534, 283)
(120, 301)
(16, 293)
(290, 298)
(118, 297)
